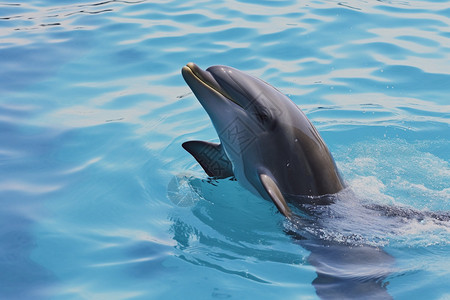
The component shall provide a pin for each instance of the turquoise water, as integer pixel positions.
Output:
(99, 200)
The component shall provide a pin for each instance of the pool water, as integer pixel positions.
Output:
(100, 201)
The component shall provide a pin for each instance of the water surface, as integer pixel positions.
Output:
(93, 111)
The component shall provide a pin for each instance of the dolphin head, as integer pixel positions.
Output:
(227, 93)
(239, 103)
(228, 90)
(263, 132)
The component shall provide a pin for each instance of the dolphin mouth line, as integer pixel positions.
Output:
(195, 71)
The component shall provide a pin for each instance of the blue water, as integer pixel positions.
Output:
(99, 201)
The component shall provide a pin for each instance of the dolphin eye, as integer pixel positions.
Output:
(264, 116)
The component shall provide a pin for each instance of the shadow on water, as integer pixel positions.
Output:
(355, 266)
(345, 240)
(346, 267)
(349, 272)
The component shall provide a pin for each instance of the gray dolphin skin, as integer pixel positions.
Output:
(267, 142)
(273, 150)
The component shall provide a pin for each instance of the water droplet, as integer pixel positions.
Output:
(180, 191)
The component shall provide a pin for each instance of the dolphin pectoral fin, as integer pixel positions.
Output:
(211, 157)
(274, 193)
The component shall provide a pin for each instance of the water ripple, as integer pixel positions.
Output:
(93, 111)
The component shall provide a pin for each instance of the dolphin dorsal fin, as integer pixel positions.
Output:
(275, 194)
(211, 157)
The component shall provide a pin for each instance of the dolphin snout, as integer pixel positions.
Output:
(196, 77)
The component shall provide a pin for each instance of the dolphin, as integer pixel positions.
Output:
(267, 143)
